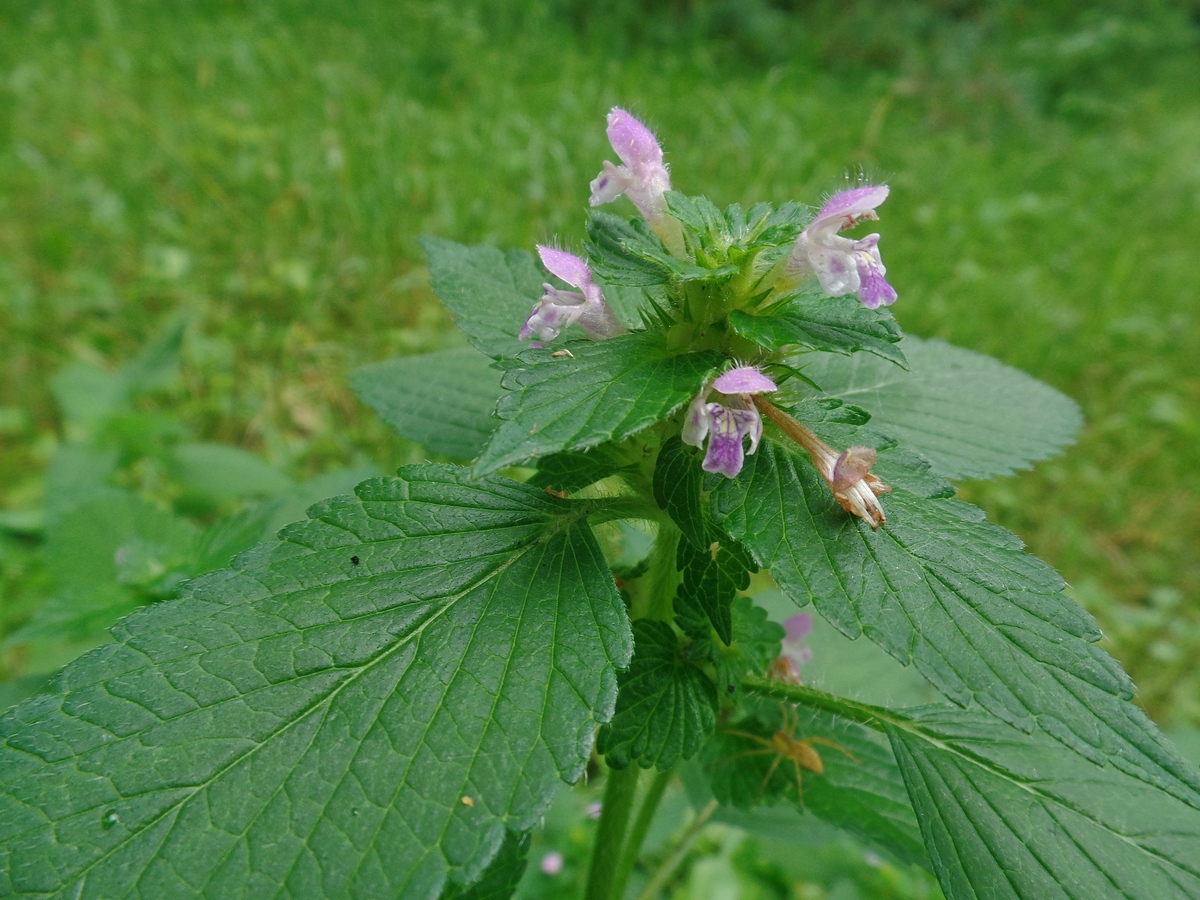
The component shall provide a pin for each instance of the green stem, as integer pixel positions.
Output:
(641, 825)
(671, 863)
(610, 836)
(871, 716)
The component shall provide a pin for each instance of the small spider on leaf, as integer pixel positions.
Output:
(785, 744)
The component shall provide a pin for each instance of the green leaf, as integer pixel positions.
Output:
(970, 415)
(608, 390)
(221, 472)
(678, 482)
(837, 324)
(713, 573)
(309, 720)
(490, 293)
(630, 253)
(443, 400)
(107, 556)
(860, 789)
(756, 642)
(1014, 815)
(501, 877)
(666, 706)
(570, 471)
(940, 588)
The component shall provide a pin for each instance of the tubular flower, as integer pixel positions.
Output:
(643, 178)
(728, 422)
(848, 474)
(557, 309)
(842, 265)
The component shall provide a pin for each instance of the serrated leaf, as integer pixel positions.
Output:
(837, 324)
(630, 253)
(677, 484)
(608, 390)
(666, 706)
(442, 400)
(490, 293)
(502, 875)
(699, 215)
(862, 793)
(713, 573)
(1014, 815)
(309, 720)
(571, 470)
(756, 642)
(940, 588)
(968, 414)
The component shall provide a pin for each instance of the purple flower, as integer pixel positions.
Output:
(552, 863)
(643, 178)
(557, 309)
(726, 424)
(842, 265)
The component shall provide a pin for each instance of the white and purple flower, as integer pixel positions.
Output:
(643, 178)
(843, 265)
(726, 424)
(558, 309)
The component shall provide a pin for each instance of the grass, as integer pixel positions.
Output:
(267, 167)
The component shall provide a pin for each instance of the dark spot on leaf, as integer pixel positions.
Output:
(730, 689)
(354, 560)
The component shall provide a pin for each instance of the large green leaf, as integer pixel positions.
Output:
(309, 721)
(489, 292)
(666, 706)
(969, 414)
(678, 483)
(861, 789)
(940, 588)
(712, 576)
(837, 324)
(222, 472)
(607, 390)
(443, 400)
(1011, 815)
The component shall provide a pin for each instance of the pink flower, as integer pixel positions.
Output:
(552, 863)
(728, 423)
(558, 309)
(643, 178)
(842, 265)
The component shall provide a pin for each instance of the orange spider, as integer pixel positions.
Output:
(785, 745)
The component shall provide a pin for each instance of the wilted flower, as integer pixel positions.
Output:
(842, 265)
(794, 652)
(643, 179)
(848, 474)
(557, 309)
(728, 422)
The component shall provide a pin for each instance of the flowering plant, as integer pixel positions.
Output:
(383, 702)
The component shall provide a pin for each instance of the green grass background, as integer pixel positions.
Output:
(266, 167)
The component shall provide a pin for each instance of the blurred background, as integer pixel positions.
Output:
(209, 212)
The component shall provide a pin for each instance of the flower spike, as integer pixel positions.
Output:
(845, 266)
(558, 309)
(726, 424)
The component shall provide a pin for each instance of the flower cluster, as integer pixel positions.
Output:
(723, 423)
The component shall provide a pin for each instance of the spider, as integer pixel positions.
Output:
(785, 745)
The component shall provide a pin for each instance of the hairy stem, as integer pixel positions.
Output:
(871, 716)
(610, 836)
(641, 825)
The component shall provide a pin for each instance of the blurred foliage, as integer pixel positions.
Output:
(242, 182)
